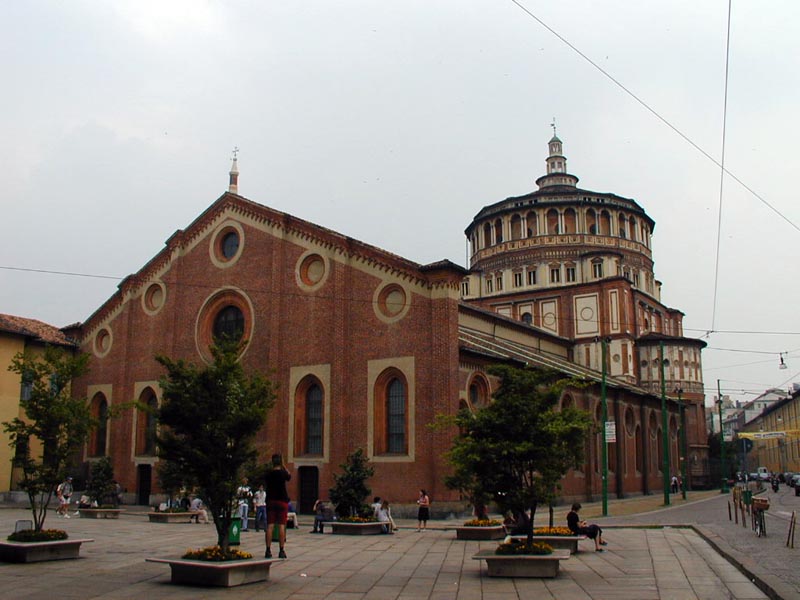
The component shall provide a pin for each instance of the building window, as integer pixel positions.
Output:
(499, 283)
(597, 270)
(146, 420)
(517, 279)
(531, 277)
(314, 420)
(396, 417)
(489, 286)
(478, 393)
(229, 323)
(100, 414)
(636, 280)
(527, 318)
(465, 288)
(555, 274)
(570, 274)
(230, 244)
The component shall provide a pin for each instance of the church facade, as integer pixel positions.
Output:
(367, 348)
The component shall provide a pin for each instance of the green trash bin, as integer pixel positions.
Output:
(235, 531)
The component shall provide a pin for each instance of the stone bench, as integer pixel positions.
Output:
(522, 565)
(172, 517)
(228, 573)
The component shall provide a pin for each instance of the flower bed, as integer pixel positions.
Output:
(53, 547)
(45, 535)
(516, 560)
(483, 529)
(559, 538)
(216, 554)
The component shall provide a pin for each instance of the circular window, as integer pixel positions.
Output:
(102, 342)
(644, 363)
(154, 298)
(392, 303)
(226, 244)
(230, 244)
(226, 313)
(616, 358)
(587, 314)
(311, 272)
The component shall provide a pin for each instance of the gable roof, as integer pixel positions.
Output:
(36, 330)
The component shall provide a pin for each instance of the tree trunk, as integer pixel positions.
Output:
(550, 506)
(530, 524)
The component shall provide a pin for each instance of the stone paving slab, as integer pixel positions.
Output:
(639, 564)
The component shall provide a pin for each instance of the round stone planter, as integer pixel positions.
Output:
(229, 573)
(497, 532)
(26, 552)
(338, 527)
(522, 565)
(99, 513)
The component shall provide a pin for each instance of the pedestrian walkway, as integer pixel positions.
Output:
(640, 564)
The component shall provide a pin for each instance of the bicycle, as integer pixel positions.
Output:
(759, 508)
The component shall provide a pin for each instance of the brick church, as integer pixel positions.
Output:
(368, 347)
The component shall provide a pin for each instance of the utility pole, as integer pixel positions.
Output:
(603, 444)
(664, 431)
(684, 449)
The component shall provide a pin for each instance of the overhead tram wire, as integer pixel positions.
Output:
(656, 114)
(721, 170)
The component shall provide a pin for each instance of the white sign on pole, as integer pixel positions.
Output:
(611, 432)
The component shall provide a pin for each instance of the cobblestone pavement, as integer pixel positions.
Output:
(638, 564)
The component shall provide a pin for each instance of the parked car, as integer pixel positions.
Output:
(795, 483)
(786, 477)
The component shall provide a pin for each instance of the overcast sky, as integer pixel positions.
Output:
(394, 123)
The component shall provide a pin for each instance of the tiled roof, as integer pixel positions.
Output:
(32, 328)
(494, 347)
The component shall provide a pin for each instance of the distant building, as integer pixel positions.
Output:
(20, 335)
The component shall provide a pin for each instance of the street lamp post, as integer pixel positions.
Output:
(684, 449)
(664, 432)
(724, 487)
(603, 443)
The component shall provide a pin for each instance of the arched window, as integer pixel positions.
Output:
(638, 448)
(146, 420)
(552, 221)
(570, 221)
(622, 226)
(99, 410)
(532, 224)
(396, 417)
(516, 227)
(498, 231)
(314, 420)
(632, 228)
(605, 223)
(478, 392)
(527, 318)
(487, 235)
(309, 403)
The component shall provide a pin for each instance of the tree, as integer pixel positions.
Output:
(172, 478)
(101, 485)
(53, 421)
(350, 488)
(516, 449)
(209, 418)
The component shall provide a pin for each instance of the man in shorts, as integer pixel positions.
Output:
(277, 504)
(64, 493)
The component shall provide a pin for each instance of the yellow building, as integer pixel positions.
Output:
(18, 334)
(776, 436)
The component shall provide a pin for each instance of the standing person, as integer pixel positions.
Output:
(244, 493)
(674, 483)
(424, 512)
(64, 493)
(578, 527)
(260, 502)
(323, 513)
(277, 504)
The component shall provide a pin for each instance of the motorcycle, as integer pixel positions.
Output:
(775, 485)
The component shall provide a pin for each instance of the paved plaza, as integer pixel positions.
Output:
(639, 563)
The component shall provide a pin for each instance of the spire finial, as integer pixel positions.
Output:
(553, 125)
(233, 185)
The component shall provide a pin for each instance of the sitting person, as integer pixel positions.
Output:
(196, 506)
(517, 523)
(590, 530)
(323, 512)
(384, 516)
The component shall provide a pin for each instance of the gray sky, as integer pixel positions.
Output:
(394, 123)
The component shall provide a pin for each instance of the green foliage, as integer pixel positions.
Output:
(516, 449)
(101, 487)
(45, 535)
(173, 477)
(350, 488)
(210, 416)
(58, 421)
